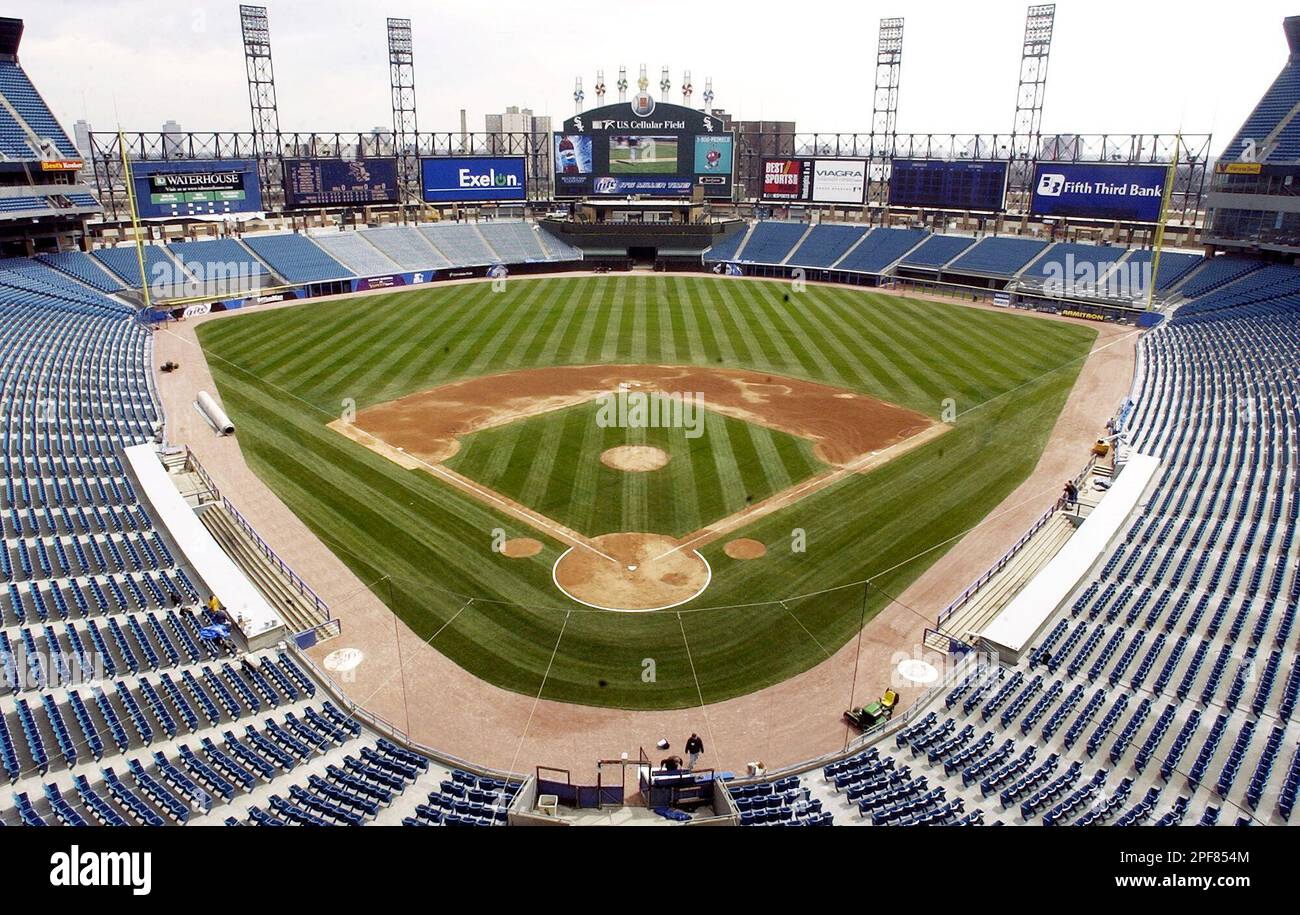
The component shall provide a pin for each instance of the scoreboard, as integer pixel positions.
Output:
(196, 187)
(643, 148)
(936, 184)
(340, 182)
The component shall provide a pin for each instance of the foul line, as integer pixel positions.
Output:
(519, 748)
(704, 708)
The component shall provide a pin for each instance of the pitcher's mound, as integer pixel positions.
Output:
(744, 548)
(632, 573)
(521, 547)
(635, 458)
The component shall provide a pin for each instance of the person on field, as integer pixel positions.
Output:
(694, 747)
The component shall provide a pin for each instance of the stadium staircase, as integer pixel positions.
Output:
(749, 233)
(798, 244)
(298, 611)
(483, 238)
(853, 247)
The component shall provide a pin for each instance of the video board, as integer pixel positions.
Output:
(643, 148)
(1099, 190)
(936, 184)
(473, 179)
(340, 182)
(196, 187)
(813, 180)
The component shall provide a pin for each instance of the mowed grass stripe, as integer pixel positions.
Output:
(433, 542)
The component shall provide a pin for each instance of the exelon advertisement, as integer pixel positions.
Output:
(1099, 190)
(473, 179)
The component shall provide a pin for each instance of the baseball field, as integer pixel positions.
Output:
(640, 492)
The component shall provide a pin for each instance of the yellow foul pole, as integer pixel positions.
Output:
(135, 217)
(1164, 217)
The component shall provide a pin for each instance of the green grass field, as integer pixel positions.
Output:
(551, 463)
(284, 374)
(663, 161)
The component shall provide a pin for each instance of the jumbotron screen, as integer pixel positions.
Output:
(339, 182)
(643, 148)
(936, 184)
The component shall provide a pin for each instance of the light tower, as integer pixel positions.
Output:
(401, 67)
(622, 84)
(578, 95)
(665, 85)
(708, 93)
(600, 88)
(256, 30)
(884, 105)
(1026, 131)
(687, 89)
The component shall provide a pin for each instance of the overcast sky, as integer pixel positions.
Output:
(1118, 66)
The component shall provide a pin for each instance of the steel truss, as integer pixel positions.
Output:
(1190, 184)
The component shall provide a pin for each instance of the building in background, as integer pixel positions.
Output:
(756, 140)
(173, 140)
(519, 132)
(81, 137)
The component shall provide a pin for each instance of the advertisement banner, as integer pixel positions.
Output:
(644, 148)
(807, 180)
(1099, 190)
(713, 155)
(339, 182)
(786, 179)
(473, 179)
(196, 187)
(839, 181)
(943, 185)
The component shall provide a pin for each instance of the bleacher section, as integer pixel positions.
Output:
(1174, 265)
(515, 242)
(772, 241)
(936, 251)
(119, 704)
(22, 95)
(557, 249)
(1216, 272)
(825, 245)
(462, 248)
(85, 268)
(297, 259)
(406, 247)
(1164, 691)
(165, 276)
(881, 248)
(222, 265)
(998, 256)
(726, 249)
(353, 251)
(1276, 105)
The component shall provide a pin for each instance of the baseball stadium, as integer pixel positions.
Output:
(650, 466)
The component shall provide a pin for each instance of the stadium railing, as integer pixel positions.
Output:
(304, 589)
(973, 588)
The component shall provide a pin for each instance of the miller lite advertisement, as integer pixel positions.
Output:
(644, 148)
